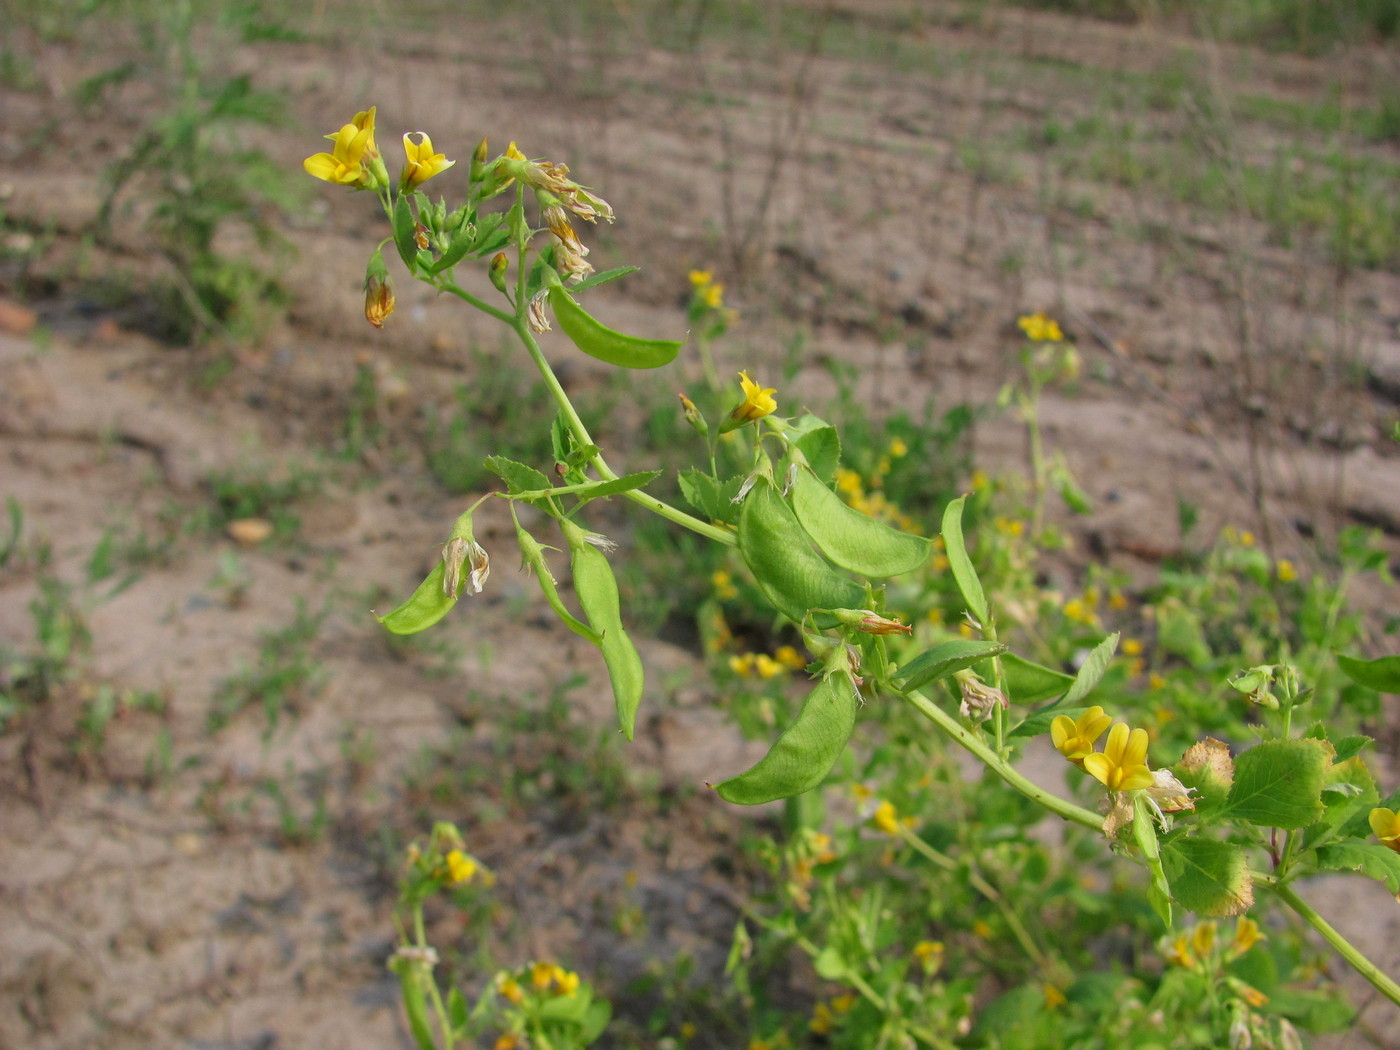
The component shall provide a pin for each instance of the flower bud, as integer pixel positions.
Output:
(693, 416)
(499, 265)
(870, 622)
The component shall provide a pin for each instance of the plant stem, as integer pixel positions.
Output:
(580, 432)
(1362, 965)
(998, 765)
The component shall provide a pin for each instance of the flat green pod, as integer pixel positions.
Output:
(425, 606)
(596, 587)
(778, 551)
(853, 540)
(801, 758)
(598, 340)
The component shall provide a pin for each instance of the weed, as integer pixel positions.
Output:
(286, 674)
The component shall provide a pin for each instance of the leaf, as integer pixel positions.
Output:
(1159, 894)
(942, 660)
(404, 238)
(613, 487)
(1369, 858)
(961, 564)
(711, 497)
(1278, 784)
(596, 587)
(1092, 669)
(517, 476)
(1209, 877)
(1381, 674)
(1030, 683)
(821, 448)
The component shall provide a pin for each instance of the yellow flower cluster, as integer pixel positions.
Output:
(1121, 766)
(1040, 329)
(825, 1015)
(865, 495)
(760, 665)
(1196, 948)
(706, 289)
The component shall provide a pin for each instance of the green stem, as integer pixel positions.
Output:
(1362, 965)
(480, 304)
(998, 765)
(581, 435)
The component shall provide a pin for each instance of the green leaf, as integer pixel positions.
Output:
(604, 277)
(830, 964)
(615, 486)
(1092, 669)
(821, 448)
(1207, 876)
(1030, 683)
(1038, 723)
(852, 539)
(1381, 674)
(517, 476)
(597, 340)
(960, 563)
(801, 758)
(1278, 784)
(1369, 858)
(425, 607)
(404, 239)
(711, 497)
(942, 660)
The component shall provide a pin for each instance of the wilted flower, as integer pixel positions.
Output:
(460, 552)
(979, 700)
(537, 318)
(379, 299)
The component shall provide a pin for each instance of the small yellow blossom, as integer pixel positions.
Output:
(1075, 738)
(460, 867)
(1122, 765)
(700, 278)
(848, 481)
(509, 989)
(345, 164)
(1386, 824)
(758, 402)
(822, 1020)
(898, 448)
(1081, 612)
(760, 1044)
(1246, 538)
(1178, 952)
(1156, 681)
(1132, 647)
(1040, 329)
(861, 793)
(1053, 997)
(926, 950)
(1247, 935)
(1009, 526)
(507, 1041)
(1286, 571)
(789, 658)
(1116, 599)
(978, 481)
(766, 666)
(565, 981)
(541, 973)
(886, 818)
(688, 1030)
(723, 583)
(422, 163)
(1203, 939)
(981, 930)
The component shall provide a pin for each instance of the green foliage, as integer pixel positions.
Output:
(286, 673)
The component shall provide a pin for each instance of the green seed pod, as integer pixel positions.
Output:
(532, 553)
(425, 607)
(597, 340)
(853, 540)
(596, 588)
(777, 550)
(803, 756)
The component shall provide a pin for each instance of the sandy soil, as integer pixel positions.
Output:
(876, 198)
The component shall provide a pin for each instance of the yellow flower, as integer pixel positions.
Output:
(1040, 329)
(1178, 952)
(345, 164)
(509, 989)
(1122, 765)
(926, 950)
(460, 867)
(789, 658)
(566, 981)
(1075, 738)
(508, 1041)
(758, 402)
(822, 1019)
(886, 818)
(379, 300)
(1386, 824)
(723, 583)
(541, 973)
(422, 163)
(1131, 647)
(1286, 572)
(1247, 935)
(1053, 997)
(981, 930)
(700, 278)
(860, 792)
(1203, 939)
(898, 448)
(766, 666)
(848, 481)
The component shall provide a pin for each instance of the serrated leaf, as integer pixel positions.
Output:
(1369, 858)
(942, 660)
(1207, 876)
(1382, 674)
(517, 476)
(1028, 682)
(1093, 668)
(1278, 784)
(960, 564)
